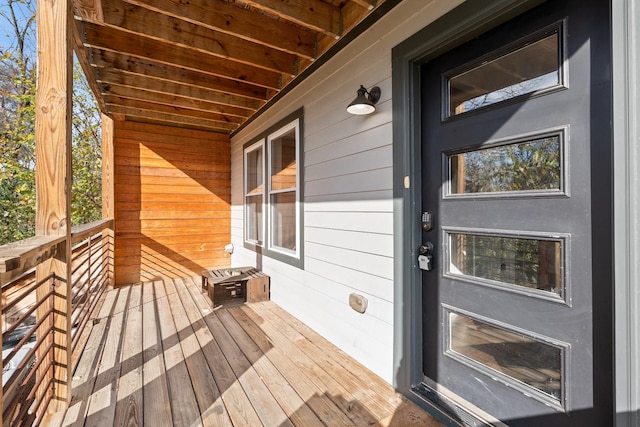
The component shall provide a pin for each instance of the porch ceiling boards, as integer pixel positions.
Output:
(205, 64)
(160, 355)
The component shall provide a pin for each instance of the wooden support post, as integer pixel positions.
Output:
(108, 195)
(53, 180)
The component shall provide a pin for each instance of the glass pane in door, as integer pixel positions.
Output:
(527, 262)
(528, 69)
(531, 165)
(522, 358)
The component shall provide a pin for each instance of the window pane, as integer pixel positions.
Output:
(530, 263)
(526, 70)
(283, 221)
(255, 174)
(522, 358)
(253, 218)
(283, 161)
(524, 166)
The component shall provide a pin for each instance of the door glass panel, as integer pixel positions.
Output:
(526, 70)
(522, 358)
(530, 263)
(531, 165)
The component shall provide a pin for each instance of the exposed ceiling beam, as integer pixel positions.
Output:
(159, 117)
(173, 101)
(228, 18)
(144, 67)
(162, 27)
(124, 79)
(313, 14)
(169, 109)
(109, 38)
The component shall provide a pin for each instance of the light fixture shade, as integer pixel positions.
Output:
(365, 101)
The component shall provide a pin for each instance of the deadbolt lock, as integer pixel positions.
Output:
(427, 221)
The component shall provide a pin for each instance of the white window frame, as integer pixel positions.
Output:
(294, 125)
(254, 147)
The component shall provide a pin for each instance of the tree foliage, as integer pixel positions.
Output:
(17, 132)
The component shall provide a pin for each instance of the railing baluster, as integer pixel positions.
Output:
(52, 356)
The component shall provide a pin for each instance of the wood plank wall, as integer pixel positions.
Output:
(172, 201)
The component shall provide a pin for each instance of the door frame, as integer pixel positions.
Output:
(468, 20)
(625, 39)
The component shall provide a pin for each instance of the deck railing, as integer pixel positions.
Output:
(28, 332)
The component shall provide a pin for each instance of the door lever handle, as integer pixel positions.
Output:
(426, 248)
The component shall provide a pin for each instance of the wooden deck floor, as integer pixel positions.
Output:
(160, 355)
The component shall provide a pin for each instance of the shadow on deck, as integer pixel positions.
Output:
(159, 355)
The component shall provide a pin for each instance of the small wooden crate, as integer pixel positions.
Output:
(232, 285)
(258, 287)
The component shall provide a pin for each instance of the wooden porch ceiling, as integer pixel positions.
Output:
(206, 64)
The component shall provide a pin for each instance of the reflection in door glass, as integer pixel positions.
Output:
(530, 263)
(529, 69)
(531, 165)
(528, 361)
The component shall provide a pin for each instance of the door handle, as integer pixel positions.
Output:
(426, 248)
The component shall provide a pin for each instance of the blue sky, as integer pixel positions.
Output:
(7, 38)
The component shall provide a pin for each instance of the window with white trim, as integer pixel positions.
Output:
(254, 193)
(272, 192)
(283, 189)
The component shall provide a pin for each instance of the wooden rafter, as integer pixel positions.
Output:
(156, 117)
(148, 23)
(143, 47)
(171, 109)
(144, 67)
(313, 14)
(229, 18)
(174, 100)
(116, 78)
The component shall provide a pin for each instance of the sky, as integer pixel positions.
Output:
(7, 37)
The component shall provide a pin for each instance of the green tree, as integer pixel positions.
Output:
(86, 197)
(17, 155)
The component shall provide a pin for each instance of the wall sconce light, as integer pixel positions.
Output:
(365, 101)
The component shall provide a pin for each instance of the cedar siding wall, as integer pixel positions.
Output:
(172, 201)
(347, 193)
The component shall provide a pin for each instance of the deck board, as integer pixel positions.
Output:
(129, 395)
(161, 355)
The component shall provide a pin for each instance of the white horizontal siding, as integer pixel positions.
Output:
(372, 201)
(347, 193)
(376, 265)
(368, 140)
(372, 159)
(378, 244)
(367, 222)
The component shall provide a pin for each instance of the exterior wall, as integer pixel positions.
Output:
(172, 201)
(347, 193)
